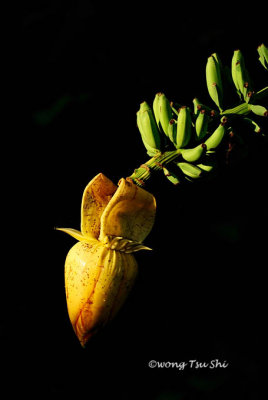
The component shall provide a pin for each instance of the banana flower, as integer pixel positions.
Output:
(100, 269)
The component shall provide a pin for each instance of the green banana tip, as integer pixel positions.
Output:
(224, 121)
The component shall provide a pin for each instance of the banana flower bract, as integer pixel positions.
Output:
(100, 269)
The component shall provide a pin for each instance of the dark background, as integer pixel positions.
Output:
(86, 66)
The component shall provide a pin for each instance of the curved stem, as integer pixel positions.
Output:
(157, 162)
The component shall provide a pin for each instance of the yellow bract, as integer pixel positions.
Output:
(100, 269)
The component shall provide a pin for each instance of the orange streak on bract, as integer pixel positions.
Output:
(85, 315)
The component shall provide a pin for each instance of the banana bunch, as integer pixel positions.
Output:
(100, 269)
(184, 131)
(198, 134)
(219, 79)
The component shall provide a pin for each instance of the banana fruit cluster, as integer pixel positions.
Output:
(197, 133)
(100, 269)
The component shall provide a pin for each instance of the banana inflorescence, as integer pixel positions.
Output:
(199, 134)
(184, 143)
(100, 269)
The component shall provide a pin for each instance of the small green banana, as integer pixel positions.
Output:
(259, 110)
(263, 55)
(207, 167)
(156, 108)
(194, 154)
(253, 125)
(216, 137)
(197, 106)
(214, 81)
(201, 124)
(235, 59)
(240, 76)
(148, 129)
(190, 170)
(184, 127)
(241, 109)
(171, 176)
(172, 129)
(162, 111)
(208, 164)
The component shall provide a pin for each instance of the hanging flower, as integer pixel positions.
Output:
(100, 269)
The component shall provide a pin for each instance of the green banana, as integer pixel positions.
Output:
(241, 109)
(235, 59)
(216, 137)
(184, 127)
(253, 125)
(172, 129)
(156, 108)
(208, 164)
(214, 81)
(171, 176)
(263, 55)
(148, 129)
(201, 124)
(207, 167)
(162, 111)
(240, 76)
(194, 154)
(197, 106)
(190, 170)
(259, 110)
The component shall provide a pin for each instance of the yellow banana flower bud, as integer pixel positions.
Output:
(100, 269)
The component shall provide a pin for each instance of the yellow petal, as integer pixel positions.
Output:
(130, 213)
(95, 198)
(78, 281)
(130, 274)
(97, 281)
(72, 232)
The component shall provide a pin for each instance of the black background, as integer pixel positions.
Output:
(86, 66)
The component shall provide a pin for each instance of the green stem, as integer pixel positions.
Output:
(157, 162)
